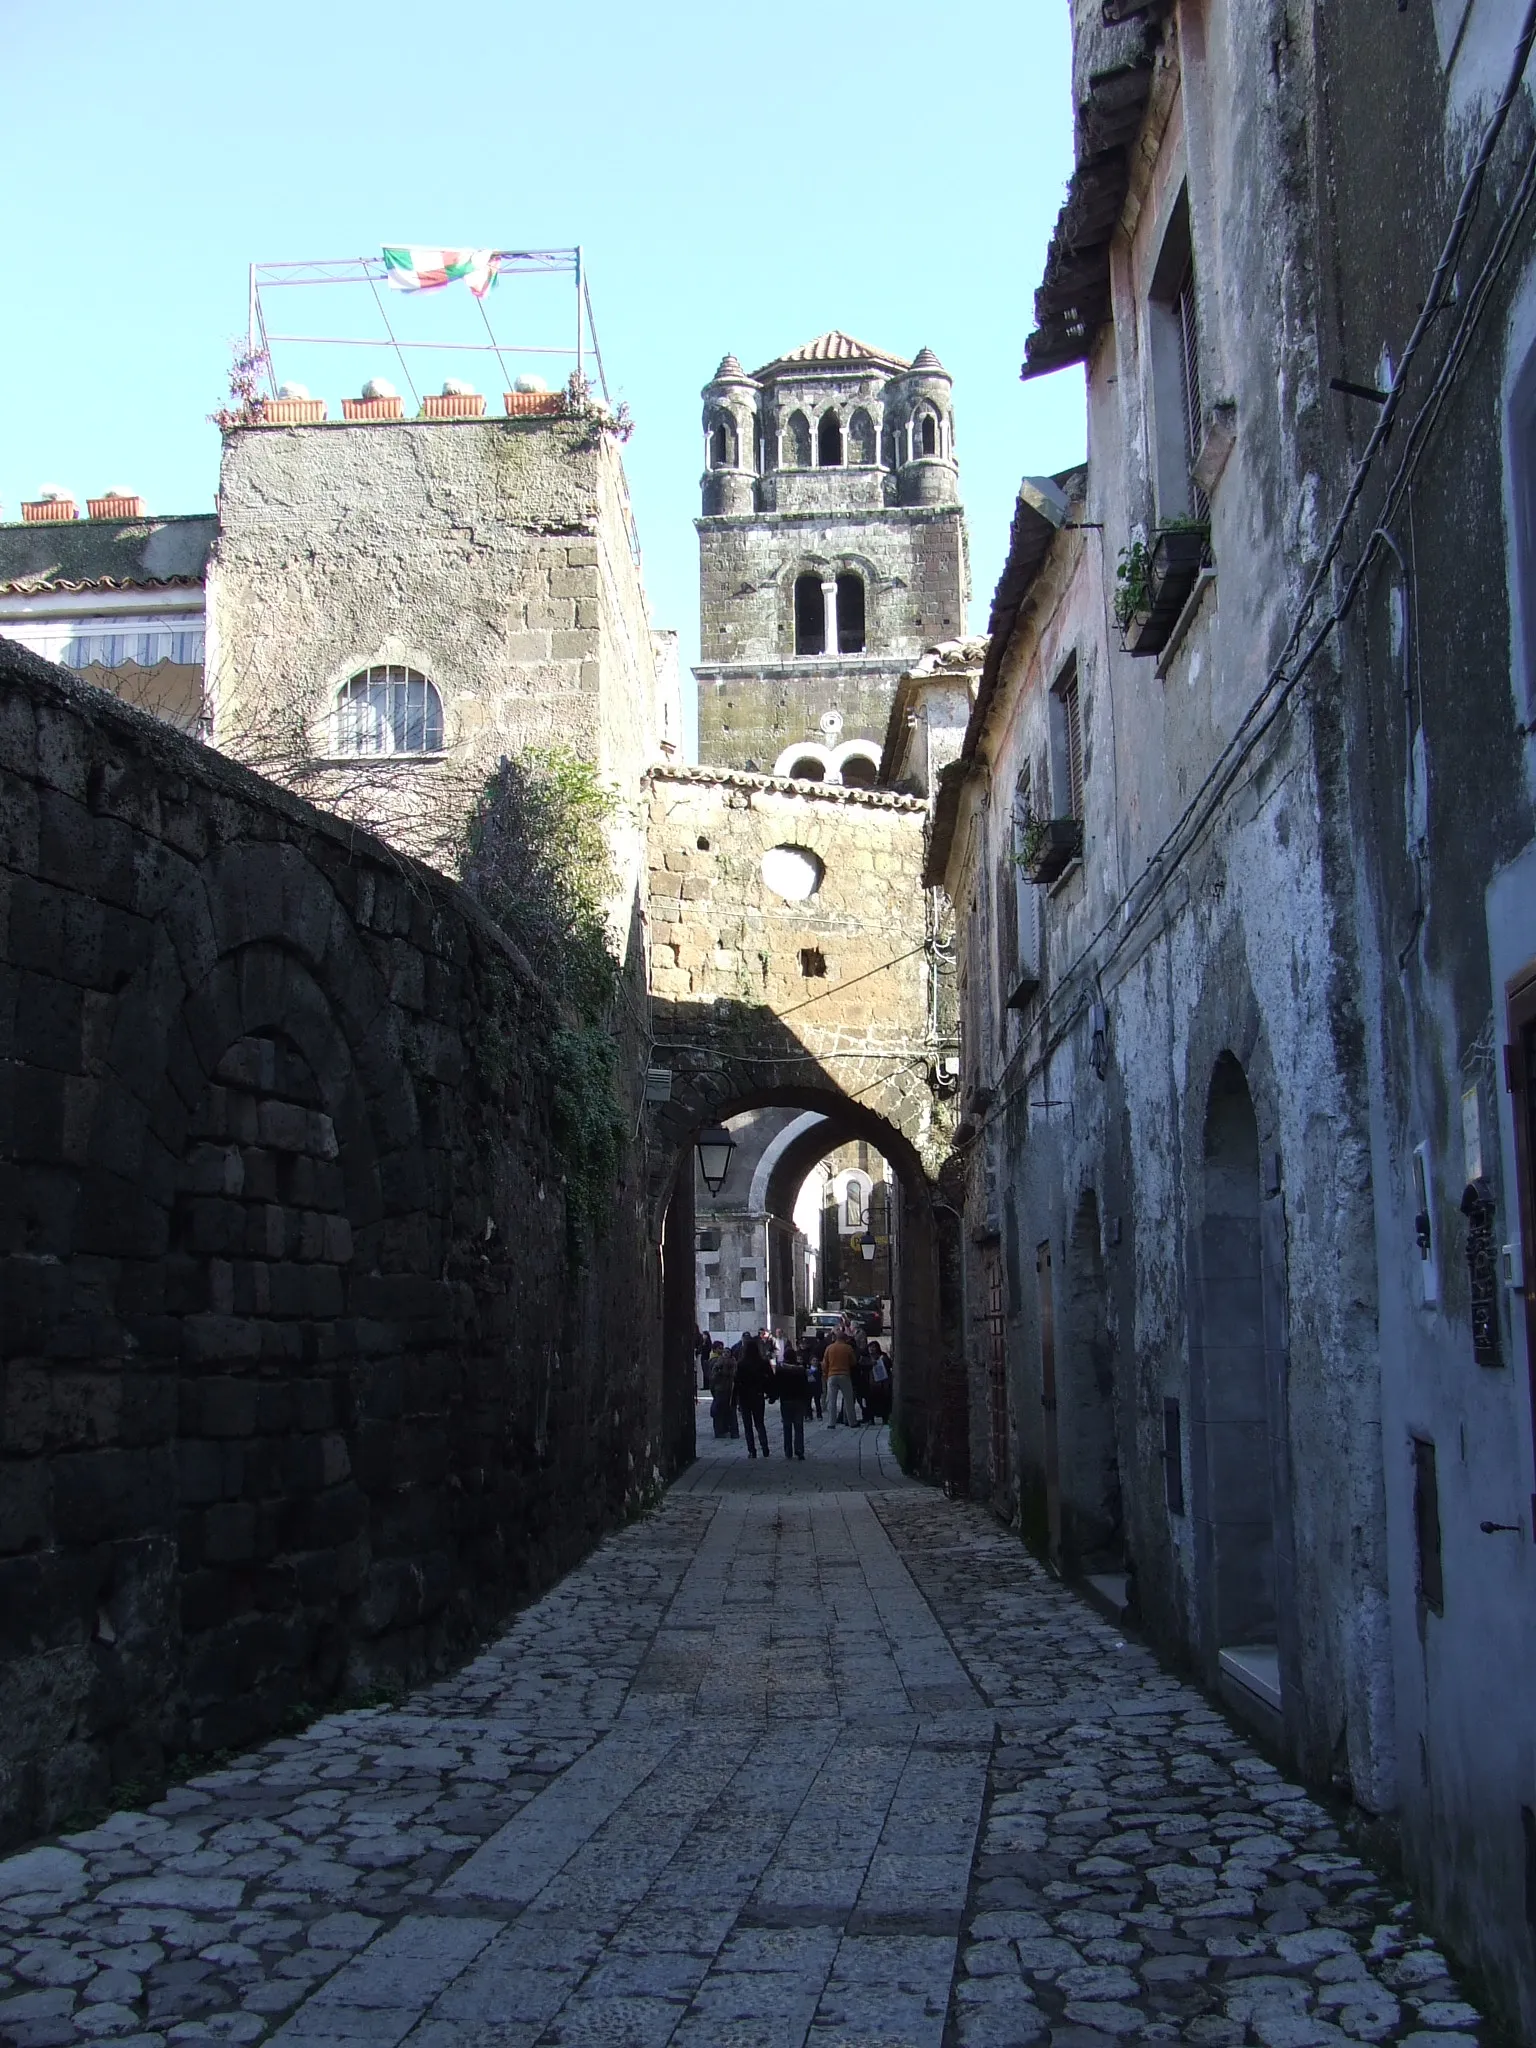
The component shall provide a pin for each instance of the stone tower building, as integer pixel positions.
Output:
(831, 552)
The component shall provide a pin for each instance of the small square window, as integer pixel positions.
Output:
(813, 963)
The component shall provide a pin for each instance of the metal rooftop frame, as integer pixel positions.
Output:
(370, 271)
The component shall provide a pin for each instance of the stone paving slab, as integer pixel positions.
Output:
(809, 1755)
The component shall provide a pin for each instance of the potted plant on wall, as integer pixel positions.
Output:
(1153, 582)
(1048, 846)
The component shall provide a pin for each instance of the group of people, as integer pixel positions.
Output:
(839, 1370)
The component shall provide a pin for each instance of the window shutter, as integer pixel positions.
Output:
(1072, 704)
(1194, 400)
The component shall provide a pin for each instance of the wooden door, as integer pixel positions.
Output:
(1048, 1398)
(997, 1375)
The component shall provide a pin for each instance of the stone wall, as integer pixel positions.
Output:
(823, 1003)
(303, 1389)
(838, 982)
(755, 697)
(883, 512)
(496, 557)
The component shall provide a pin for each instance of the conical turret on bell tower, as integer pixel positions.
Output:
(832, 551)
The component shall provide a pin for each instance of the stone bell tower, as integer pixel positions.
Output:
(831, 552)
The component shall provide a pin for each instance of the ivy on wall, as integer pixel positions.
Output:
(536, 857)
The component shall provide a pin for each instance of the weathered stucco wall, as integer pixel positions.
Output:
(1241, 1290)
(302, 1388)
(1247, 1198)
(1436, 784)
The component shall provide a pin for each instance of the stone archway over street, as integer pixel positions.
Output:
(793, 965)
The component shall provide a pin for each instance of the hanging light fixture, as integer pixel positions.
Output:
(715, 1146)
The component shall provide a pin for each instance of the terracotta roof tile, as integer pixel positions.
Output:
(818, 792)
(835, 347)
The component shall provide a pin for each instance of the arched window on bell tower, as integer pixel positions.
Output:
(829, 442)
(810, 615)
(797, 442)
(850, 613)
(722, 443)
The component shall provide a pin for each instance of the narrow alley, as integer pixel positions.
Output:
(810, 1752)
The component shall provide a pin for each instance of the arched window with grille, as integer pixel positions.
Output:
(388, 709)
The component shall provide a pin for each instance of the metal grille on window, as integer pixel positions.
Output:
(1071, 704)
(1194, 403)
(389, 710)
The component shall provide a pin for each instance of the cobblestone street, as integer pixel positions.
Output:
(810, 1753)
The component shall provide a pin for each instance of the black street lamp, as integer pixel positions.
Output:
(715, 1146)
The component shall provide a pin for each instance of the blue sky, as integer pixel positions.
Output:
(740, 181)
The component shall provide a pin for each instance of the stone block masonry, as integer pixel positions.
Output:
(495, 558)
(302, 1390)
(829, 988)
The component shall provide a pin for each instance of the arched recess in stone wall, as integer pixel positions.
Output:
(1236, 1451)
(894, 1128)
(1093, 1519)
(267, 1151)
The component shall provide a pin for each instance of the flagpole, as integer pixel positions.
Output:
(579, 359)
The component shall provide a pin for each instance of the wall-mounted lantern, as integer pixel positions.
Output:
(715, 1146)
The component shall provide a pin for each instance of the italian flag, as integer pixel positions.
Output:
(428, 270)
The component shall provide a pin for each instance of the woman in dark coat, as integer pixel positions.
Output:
(753, 1380)
(793, 1388)
(722, 1386)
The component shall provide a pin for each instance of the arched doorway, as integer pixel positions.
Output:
(914, 1339)
(1237, 1390)
(1092, 1516)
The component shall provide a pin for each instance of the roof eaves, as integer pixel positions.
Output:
(1038, 516)
(1073, 301)
(28, 586)
(830, 348)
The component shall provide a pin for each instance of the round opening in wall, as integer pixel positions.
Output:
(793, 872)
